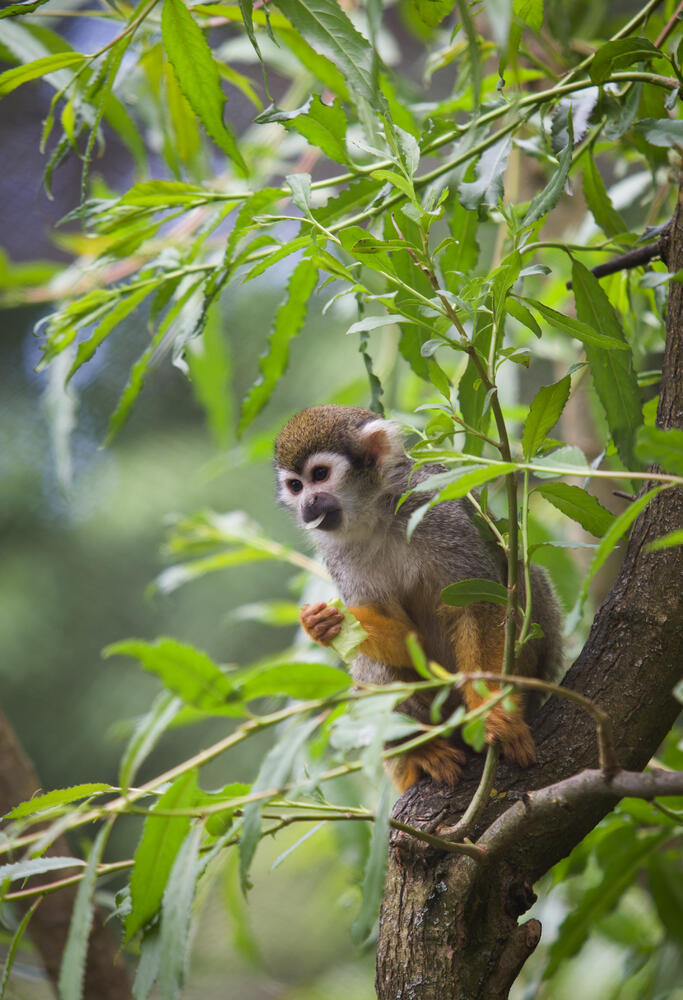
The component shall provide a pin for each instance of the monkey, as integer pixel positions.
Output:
(341, 471)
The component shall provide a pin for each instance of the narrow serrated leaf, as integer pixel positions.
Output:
(544, 412)
(57, 797)
(175, 915)
(325, 26)
(148, 964)
(273, 774)
(546, 199)
(157, 850)
(598, 201)
(375, 868)
(13, 78)
(288, 322)
(146, 735)
(197, 74)
(490, 170)
(72, 971)
(577, 328)
(36, 866)
(612, 372)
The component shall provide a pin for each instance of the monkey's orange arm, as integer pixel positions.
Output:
(386, 641)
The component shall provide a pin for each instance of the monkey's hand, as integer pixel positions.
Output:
(511, 731)
(321, 622)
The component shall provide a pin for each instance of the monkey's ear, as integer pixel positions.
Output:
(382, 441)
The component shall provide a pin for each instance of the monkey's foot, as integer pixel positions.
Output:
(438, 760)
(511, 731)
(321, 622)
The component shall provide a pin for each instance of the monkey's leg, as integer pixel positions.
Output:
(437, 759)
(478, 632)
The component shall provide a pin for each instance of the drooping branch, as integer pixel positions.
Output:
(448, 926)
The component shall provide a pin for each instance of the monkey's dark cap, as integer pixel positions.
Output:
(321, 428)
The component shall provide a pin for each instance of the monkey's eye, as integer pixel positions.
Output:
(320, 474)
(294, 485)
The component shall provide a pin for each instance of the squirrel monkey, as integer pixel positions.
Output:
(341, 470)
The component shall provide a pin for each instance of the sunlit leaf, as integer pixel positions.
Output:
(161, 839)
(197, 74)
(57, 797)
(13, 78)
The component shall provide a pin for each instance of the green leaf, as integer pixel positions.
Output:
(474, 734)
(666, 541)
(619, 53)
(36, 866)
(352, 634)
(146, 735)
(13, 78)
(617, 529)
(466, 592)
(148, 964)
(210, 371)
(665, 886)
(175, 915)
(292, 680)
(18, 934)
(300, 185)
(662, 131)
(519, 312)
(325, 26)
(122, 309)
(323, 125)
(133, 387)
(612, 372)
(274, 772)
(598, 200)
(161, 839)
(186, 671)
(375, 868)
(546, 199)
(374, 322)
(576, 328)
(617, 875)
(529, 11)
(544, 413)
(432, 12)
(464, 482)
(579, 505)
(72, 971)
(21, 8)
(665, 447)
(288, 322)
(488, 186)
(57, 797)
(197, 74)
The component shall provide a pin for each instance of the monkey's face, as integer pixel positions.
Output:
(334, 466)
(321, 496)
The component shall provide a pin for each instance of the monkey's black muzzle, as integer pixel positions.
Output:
(322, 511)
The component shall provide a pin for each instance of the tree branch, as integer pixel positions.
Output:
(448, 925)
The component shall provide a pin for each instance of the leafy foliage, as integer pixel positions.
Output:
(436, 248)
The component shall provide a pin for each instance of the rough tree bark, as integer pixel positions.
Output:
(105, 977)
(449, 924)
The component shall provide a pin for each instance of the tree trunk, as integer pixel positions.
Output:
(448, 925)
(105, 975)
